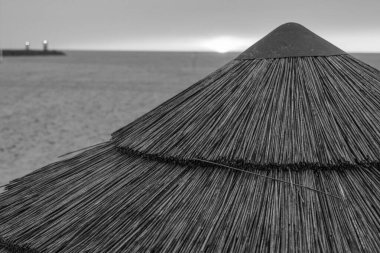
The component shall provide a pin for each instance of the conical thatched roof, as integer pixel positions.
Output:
(192, 174)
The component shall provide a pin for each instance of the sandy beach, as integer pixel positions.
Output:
(54, 105)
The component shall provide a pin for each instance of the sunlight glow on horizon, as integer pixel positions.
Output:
(220, 44)
(226, 44)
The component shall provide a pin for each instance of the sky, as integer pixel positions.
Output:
(178, 25)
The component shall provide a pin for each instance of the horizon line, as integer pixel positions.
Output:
(163, 51)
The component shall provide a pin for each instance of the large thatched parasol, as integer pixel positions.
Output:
(192, 174)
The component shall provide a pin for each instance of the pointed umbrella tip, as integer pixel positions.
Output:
(290, 40)
(292, 27)
(294, 24)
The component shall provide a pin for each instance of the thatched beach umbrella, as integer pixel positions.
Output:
(277, 151)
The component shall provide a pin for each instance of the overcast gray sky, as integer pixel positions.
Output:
(353, 25)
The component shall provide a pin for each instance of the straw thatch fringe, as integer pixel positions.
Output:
(105, 201)
(209, 164)
(250, 166)
(319, 110)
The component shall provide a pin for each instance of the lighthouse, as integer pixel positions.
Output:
(45, 45)
(27, 45)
